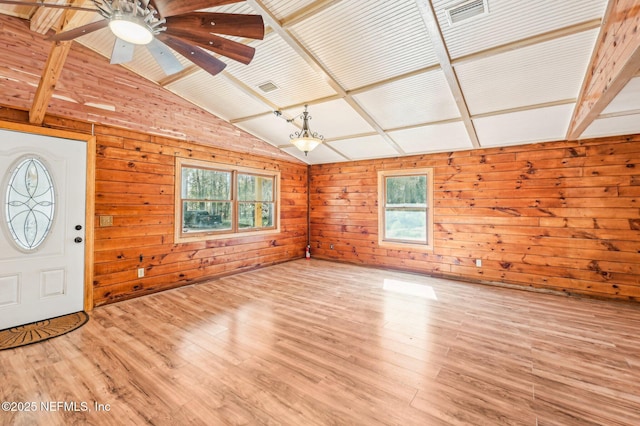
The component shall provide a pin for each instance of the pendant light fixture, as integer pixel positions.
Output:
(305, 140)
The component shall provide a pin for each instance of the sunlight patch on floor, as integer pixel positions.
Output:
(409, 288)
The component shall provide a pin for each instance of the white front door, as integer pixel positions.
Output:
(42, 190)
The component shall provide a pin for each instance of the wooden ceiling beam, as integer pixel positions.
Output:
(615, 60)
(55, 63)
(442, 53)
(45, 18)
(186, 72)
(48, 81)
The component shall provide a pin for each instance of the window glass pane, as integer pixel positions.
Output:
(406, 191)
(255, 215)
(206, 216)
(30, 204)
(255, 188)
(402, 224)
(203, 184)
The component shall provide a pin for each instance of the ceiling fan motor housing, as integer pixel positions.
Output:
(134, 21)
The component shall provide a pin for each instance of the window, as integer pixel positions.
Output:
(255, 201)
(405, 215)
(215, 201)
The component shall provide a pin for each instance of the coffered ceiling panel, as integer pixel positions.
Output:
(364, 147)
(268, 127)
(535, 125)
(362, 42)
(627, 100)
(509, 21)
(285, 8)
(100, 41)
(537, 74)
(239, 7)
(425, 97)
(276, 62)
(614, 125)
(217, 94)
(433, 138)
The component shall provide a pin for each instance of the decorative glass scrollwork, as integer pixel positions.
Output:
(30, 203)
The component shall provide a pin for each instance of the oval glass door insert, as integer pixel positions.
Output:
(30, 203)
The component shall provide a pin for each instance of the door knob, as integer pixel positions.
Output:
(78, 240)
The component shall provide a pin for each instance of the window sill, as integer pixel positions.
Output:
(406, 246)
(217, 236)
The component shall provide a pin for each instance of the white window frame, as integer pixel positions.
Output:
(235, 232)
(383, 241)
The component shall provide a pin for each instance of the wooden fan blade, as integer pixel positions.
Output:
(223, 46)
(233, 24)
(204, 60)
(80, 31)
(168, 8)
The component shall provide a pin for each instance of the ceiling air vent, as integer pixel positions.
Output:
(467, 10)
(267, 87)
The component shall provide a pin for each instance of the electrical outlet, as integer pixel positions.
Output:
(331, 246)
(479, 263)
(140, 272)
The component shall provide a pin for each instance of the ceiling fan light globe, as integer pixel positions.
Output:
(130, 31)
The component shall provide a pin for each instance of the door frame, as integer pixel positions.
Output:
(90, 194)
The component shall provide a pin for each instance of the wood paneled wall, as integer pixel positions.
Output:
(561, 216)
(135, 184)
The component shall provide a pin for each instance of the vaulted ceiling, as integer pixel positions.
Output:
(392, 78)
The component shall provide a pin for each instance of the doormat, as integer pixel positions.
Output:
(40, 331)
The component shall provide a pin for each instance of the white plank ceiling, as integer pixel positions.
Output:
(376, 86)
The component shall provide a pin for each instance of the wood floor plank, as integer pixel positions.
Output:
(318, 343)
(580, 403)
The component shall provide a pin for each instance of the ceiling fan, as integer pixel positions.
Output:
(162, 24)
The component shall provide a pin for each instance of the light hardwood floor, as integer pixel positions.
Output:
(314, 342)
